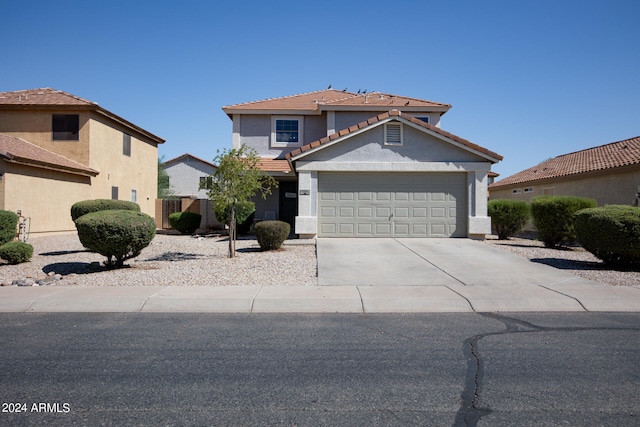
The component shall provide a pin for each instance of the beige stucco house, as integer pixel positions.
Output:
(366, 165)
(57, 149)
(609, 173)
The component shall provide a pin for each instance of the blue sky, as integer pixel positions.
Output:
(529, 80)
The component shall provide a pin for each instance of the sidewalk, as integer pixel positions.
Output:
(568, 295)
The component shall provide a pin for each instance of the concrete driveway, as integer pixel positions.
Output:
(428, 262)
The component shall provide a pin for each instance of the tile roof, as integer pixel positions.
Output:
(43, 96)
(187, 155)
(51, 98)
(385, 116)
(331, 99)
(274, 165)
(17, 150)
(608, 156)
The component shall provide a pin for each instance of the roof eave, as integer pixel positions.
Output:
(44, 165)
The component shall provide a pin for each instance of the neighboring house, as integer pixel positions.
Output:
(366, 165)
(188, 177)
(57, 149)
(609, 173)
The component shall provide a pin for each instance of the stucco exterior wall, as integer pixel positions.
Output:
(43, 195)
(346, 119)
(613, 187)
(136, 172)
(36, 127)
(255, 131)
(417, 147)
(184, 177)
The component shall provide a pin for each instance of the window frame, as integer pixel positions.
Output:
(63, 135)
(386, 134)
(274, 121)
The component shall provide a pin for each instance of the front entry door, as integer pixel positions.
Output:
(288, 202)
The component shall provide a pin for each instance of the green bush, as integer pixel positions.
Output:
(508, 217)
(16, 252)
(611, 233)
(87, 206)
(245, 212)
(8, 226)
(185, 222)
(553, 217)
(117, 234)
(272, 234)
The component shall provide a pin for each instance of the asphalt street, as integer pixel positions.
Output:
(461, 369)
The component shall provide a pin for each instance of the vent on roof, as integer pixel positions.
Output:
(393, 134)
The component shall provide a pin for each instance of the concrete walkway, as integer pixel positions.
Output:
(362, 276)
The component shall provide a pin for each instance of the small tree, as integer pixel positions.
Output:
(164, 185)
(237, 178)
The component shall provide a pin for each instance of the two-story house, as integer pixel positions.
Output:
(366, 165)
(57, 149)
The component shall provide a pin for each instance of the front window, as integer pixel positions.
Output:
(65, 127)
(134, 196)
(286, 131)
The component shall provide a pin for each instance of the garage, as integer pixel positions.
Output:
(392, 204)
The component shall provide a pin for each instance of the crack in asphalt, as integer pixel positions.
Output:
(471, 411)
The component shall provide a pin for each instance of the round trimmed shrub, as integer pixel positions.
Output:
(8, 226)
(245, 212)
(185, 222)
(553, 217)
(16, 252)
(117, 234)
(87, 206)
(272, 234)
(508, 217)
(611, 233)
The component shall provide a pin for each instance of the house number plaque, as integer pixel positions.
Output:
(305, 192)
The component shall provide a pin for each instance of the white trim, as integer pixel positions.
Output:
(395, 140)
(299, 119)
(331, 122)
(392, 166)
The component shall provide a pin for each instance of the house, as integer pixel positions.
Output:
(188, 177)
(57, 149)
(366, 165)
(609, 173)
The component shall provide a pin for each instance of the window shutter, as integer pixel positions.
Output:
(393, 134)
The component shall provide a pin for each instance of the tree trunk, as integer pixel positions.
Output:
(232, 232)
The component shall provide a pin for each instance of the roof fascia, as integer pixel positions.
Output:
(449, 140)
(383, 108)
(402, 120)
(49, 166)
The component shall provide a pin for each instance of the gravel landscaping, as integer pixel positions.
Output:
(170, 260)
(176, 260)
(574, 260)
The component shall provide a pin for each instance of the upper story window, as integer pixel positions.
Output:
(126, 144)
(423, 118)
(286, 131)
(65, 127)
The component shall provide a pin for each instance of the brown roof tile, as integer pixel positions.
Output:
(186, 156)
(395, 113)
(608, 156)
(43, 96)
(331, 99)
(274, 165)
(18, 150)
(47, 97)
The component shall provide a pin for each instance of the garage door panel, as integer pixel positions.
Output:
(362, 204)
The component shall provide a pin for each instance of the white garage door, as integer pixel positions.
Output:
(392, 204)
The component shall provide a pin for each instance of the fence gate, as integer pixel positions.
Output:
(169, 207)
